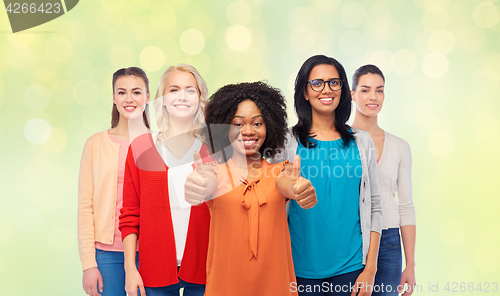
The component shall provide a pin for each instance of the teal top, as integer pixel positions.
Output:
(326, 239)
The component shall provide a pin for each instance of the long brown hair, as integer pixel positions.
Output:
(132, 71)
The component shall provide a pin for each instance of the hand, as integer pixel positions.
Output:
(364, 284)
(195, 188)
(408, 277)
(304, 192)
(92, 280)
(133, 282)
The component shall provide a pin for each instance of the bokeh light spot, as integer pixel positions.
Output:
(18, 56)
(152, 58)
(239, 12)
(192, 41)
(58, 141)
(36, 97)
(37, 131)
(159, 20)
(86, 93)
(442, 41)
(382, 58)
(302, 19)
(58, 48)
(404, 62)
(351, 43)
(434, 18)
(486, 15)
(441, 144)
(491, 67)
(435, 65)
(122, 57)
(238, 38)
(352, 14)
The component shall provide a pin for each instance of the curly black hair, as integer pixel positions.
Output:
(223, 104)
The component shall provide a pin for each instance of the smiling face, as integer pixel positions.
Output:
(248, 130)
(181, 95)
(326, 101)
(369, 94)
(130, 95)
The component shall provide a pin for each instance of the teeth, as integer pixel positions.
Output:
(326, 99)
(129, 108)
(249, 142)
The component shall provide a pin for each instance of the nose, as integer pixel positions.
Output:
(247, 129)
(182, 94)
(129, 98)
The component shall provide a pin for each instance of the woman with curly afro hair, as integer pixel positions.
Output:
(249, 249)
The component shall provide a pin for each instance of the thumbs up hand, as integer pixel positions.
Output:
(198, 183)
(302, 189)
(294, 186)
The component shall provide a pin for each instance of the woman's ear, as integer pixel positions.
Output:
(352, 95)
(305, 96)
(147, 99)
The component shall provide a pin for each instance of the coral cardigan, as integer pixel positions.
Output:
(146, 211)
(97, 188)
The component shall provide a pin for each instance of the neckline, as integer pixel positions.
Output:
(383, 155)
(196, 144)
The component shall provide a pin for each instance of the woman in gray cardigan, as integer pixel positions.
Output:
(394, 169)
(335, 244)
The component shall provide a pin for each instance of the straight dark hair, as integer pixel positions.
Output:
(130, 71)
(363, 70)
(302, 130)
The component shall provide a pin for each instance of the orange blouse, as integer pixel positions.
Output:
(249, 249)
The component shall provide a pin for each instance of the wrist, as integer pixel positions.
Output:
(371, 270)
(410, 264)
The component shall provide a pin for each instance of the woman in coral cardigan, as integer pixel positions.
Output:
(172, 234)
(394, 170)
(100, 190)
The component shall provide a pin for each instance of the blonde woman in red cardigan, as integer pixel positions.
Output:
(100, 190)
(172, 234)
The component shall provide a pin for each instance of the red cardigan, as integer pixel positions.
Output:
(146, 211)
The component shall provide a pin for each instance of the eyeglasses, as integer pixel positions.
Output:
(319, 84)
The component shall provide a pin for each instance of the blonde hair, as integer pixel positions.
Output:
(161, 110)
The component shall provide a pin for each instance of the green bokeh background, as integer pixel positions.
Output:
(441, 59)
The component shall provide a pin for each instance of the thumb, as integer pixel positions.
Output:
(198, 164)
(296, 167)
(100, 284)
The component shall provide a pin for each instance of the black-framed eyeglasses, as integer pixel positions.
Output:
(319, 84)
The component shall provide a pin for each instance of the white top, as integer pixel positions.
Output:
(394, 175)
(178, 171)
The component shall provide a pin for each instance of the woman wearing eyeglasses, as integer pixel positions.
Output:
(394, 168)
(335, 244)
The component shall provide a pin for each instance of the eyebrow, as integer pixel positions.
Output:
(126, 89)
(370, 87)
(239, 116)
(191, 86)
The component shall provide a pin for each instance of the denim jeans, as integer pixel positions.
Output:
(335, 285)
(110, 265)
(173, 290)
(389, 264)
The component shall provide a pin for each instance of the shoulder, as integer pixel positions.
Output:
(97, 138)
(397, 143)
(361, 137)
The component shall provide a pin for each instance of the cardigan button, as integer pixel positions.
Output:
(363, 199)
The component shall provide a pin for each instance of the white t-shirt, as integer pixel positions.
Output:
(178, 171)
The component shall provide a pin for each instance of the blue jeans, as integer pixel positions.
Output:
(173, 290)
(389, 264)
(110, 265)
(335, 285)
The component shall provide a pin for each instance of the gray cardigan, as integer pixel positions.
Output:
(370, 210)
